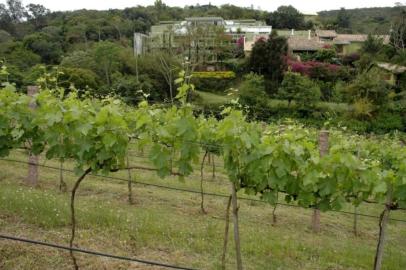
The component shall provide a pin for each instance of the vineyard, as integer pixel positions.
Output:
(183, 189)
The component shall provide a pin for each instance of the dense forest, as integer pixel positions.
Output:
(362, 20)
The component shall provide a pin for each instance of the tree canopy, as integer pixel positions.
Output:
(286, 17)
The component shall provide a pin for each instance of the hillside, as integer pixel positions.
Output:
(364, 20)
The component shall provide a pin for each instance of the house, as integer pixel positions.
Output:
(203, 39)
(298, 41)
(326, 35)
(298, 44)
(350, 43)
(394, 74)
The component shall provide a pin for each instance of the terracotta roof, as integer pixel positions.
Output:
(304, 44)
(326, 33)
(348, 38)
(295, 43)
(395, 69)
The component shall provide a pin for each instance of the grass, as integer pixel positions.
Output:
(214, 99)
(167, 226)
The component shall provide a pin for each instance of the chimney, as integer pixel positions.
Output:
(310, 35)
(293, 32)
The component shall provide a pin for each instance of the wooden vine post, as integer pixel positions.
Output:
(129, 183)
(62, 184)
(355, 227)
(355, 224)
(201, 182)
(236, 227)
(274, 218)
(323, 150)
(32, 178)
(227, 227)
(383, 222)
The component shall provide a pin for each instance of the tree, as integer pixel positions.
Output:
(286, 17)
(16, 10)
(10, 14)
(268, 58)
(201, 43)
(106, 56)
(46, 46)
(299, 88)
(5, 36)
(343, 19)
(169, 68)
(21, 57)
(372, 45)
(5, 20)
(37, 14)
(398, 33)
(81, 79)
(79, 59)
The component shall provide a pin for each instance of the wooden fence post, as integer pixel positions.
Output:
(323, 150)
(32, 178)
(236, 226)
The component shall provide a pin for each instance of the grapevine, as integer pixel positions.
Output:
(264, 160)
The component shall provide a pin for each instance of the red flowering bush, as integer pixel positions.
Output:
(315, 70)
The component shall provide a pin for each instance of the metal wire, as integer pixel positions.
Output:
(197, 191)
(91, 252)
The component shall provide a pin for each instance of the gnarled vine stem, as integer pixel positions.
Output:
(73, 217)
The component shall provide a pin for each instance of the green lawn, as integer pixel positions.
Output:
(167, 226)
(214, 99)
(207, 98)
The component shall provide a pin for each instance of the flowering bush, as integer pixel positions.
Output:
(315, 70)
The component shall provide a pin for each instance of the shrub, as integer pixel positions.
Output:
(81, 78)
(317, 70)
(238, 66)
(214, 74)
(325, 55)
(368, 85)
(386, 122)
(362, 108)
(300, 89)
(213, 81)
(252, 92)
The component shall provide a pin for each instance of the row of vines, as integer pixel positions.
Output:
(323, 170)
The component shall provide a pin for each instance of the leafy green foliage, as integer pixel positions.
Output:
(343, 19)
(252, 93)
(373, 45)
(268, 58)
(299, 88)
(361, 20)
(260, 159)
(369, 86)
(325, 55)
(286, 17)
